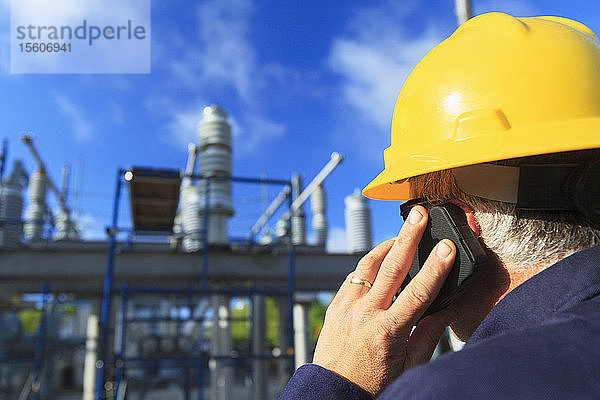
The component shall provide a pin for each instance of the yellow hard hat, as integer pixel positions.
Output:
(500, 87)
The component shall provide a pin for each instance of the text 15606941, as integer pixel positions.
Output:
(45, 47)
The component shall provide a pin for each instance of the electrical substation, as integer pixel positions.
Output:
(149, 312)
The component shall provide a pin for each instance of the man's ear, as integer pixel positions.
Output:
(470, 214)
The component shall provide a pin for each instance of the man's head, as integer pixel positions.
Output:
(520, 97)
(519, 238)
(520, 243)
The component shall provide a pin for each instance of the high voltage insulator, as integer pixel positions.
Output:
(11, 207)
(318, 206)
(37, 210)
(358, 223)
(214, 152)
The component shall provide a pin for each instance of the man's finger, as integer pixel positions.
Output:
(396, 263)
(370, 263)
(367, 267)
(418, 295)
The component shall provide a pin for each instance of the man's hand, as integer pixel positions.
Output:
(368, 339)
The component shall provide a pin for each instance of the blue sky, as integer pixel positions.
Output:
(300, 79)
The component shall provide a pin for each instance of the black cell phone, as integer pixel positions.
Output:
(448, 221)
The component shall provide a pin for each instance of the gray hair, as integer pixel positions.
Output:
(519, 238)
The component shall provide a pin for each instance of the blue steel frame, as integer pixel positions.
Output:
(113, 230)
(40, 346)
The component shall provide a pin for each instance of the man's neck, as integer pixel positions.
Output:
(518, 274)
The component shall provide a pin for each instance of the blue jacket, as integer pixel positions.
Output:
(542, 341)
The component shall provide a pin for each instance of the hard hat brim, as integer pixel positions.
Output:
(558, 136)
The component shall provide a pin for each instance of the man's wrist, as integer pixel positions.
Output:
(312, 381)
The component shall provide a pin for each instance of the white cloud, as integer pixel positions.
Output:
(82, 129)
(90, 227)
(259, 130)
(223, 58)
(373, 60)
(228, 55)
(373, 68)
(183, 127)
(336, 240)
(224, 55)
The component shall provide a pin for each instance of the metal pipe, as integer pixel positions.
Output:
(201, 380)
(121, 391)
(66, 175)
(463, 10)
(242, 179)
(336, 159)
(285, 367)
(272, 209)
(184, 291)
(121, 353)
(191, 161)
(3, 156)
(190, 165)
(26, 391)
(28, 140)
(91, 348)
(301, 345)
(291, 287)
(259, 341)
(40, 346)
(186, 382)
(78, 187)
(240, 359)
(107, 290)
(204, 284)
(221, 378)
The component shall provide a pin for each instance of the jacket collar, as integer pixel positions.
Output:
(570, 281)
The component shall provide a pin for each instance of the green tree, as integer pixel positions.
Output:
(241, 324)
(316, 317)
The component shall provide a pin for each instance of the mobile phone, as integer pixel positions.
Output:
(448, 221)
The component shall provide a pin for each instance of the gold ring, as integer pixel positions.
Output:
(361, 281)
